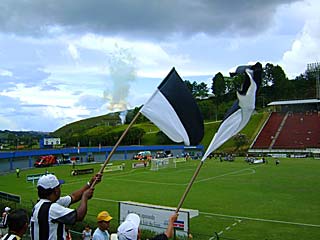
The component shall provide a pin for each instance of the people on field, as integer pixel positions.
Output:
(51, 213)
(17, 223)
(87, 233)
(129, 229)
(3, 223)
(103, 221)
(18, 172)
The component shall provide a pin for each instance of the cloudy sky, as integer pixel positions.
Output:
(62, 61)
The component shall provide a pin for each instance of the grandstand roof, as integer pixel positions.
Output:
(289, 102)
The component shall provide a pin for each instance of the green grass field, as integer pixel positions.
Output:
(234, 199)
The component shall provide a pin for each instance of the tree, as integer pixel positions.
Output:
(201, 90)
(267, 76)
(240, 140)
(197, 90)
(281, 83)
(218, 85)
(218, 89)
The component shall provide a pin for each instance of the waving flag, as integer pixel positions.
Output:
(174, 110)
(239, 114)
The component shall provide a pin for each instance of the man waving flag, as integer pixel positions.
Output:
(239, 114)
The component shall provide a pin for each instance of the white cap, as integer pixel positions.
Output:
(48, 181)
(7, 209)
(113, 236)
(129, 228)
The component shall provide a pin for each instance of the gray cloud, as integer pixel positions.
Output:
(47, 87)
(9, 102)
(139, 18)
(28, 75)
(90, 102)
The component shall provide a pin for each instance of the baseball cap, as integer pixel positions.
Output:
(49, 181)
(7, 209)
(129, 228)
(104, 216)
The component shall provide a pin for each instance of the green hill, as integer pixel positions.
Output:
(99, 127)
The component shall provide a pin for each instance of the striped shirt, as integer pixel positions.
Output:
(48, 219)
(10, 236)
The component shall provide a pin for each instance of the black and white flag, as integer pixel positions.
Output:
(239, 114)
(174, 110)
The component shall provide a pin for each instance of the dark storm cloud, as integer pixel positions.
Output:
(138, 18)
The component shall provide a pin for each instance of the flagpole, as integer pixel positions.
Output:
(189, 186)
(115, 147)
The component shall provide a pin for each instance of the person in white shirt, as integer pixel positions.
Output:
(87, 233)
(52, 212)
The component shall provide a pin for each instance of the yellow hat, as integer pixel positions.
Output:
(104, 216)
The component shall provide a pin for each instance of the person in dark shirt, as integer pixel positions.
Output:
(169, 231)
(18, 224)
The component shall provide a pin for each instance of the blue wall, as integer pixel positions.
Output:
(10, 160)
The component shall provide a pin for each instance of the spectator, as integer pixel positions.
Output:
(68, 234)
(18, 172)
(86, 233)
(52, 212)
(129, 229)
(18, 224)
(169, 231)
(3, 223)
(101, 233)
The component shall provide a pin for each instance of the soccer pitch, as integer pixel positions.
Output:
(235, 200)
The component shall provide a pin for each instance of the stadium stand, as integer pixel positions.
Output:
(293, 126)
(269, 130)
(300, 131)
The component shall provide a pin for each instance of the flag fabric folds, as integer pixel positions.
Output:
(174, 111)
(239, 114)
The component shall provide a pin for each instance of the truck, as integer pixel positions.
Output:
(45, 161)
(144, 155)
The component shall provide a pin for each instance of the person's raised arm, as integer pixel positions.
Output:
(77, 195)
(172, 219)
(82, 209)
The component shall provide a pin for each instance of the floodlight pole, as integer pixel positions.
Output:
(189, 186)
(115, 147)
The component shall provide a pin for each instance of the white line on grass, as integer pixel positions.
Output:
(263, 220)
(229, 173)
(179, 184)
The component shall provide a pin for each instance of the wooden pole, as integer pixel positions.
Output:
(115, 147)
(189, 186)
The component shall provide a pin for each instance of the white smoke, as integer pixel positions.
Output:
(122, 116)
(122, 68)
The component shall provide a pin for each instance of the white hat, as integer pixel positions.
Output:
(49, 181)
(113, 236)
(129, 228)
(7, 209)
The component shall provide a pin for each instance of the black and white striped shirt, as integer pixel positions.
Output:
(10, 236)
(48, 219)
